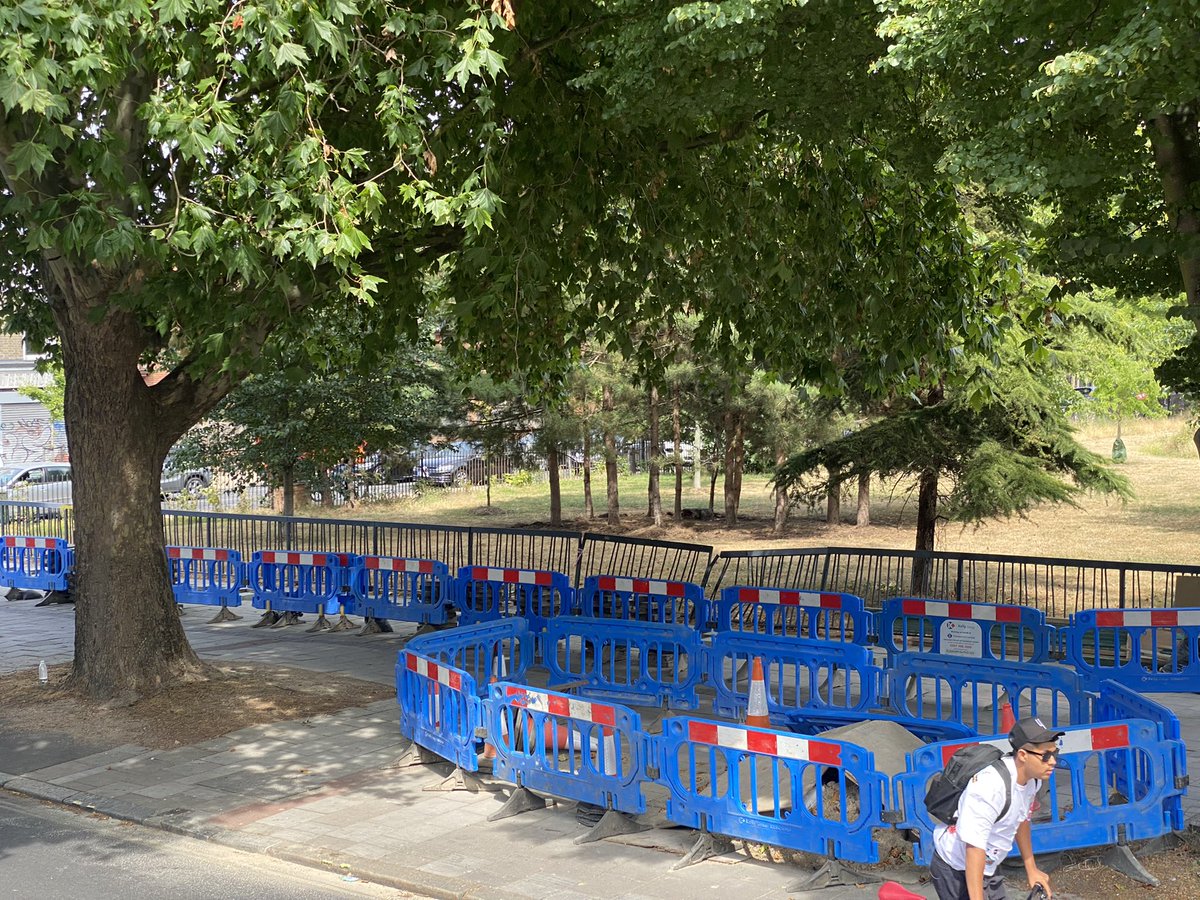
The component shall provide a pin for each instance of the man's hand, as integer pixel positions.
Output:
(1038, 878)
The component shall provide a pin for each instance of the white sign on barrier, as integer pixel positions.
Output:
(961, 637)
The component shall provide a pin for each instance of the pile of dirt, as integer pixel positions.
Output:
(235, 696)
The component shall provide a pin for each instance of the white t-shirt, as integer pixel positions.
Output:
(978, 809)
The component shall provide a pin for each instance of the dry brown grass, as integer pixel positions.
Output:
(1159, 525)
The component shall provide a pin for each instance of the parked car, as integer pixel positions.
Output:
(176, 480)
(462, 463)
(37, 483)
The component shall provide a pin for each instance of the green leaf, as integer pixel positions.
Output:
(292, 54)
(30, 156)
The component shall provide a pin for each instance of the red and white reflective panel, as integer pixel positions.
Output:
(642, 586)
(983, 612)
(1083, 740)
(559, 705)
(298, 559)
(1146, 618)
(33, 543)
(790, 598)
(431, 670)
(198, 553)
(397, 564)
(772, 743)
(513, 576)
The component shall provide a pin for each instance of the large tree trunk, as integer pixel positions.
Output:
(735, 457)
(610, 458)
(927, 501)
(833, 499)
(677, 436)
(863, 516)
(653, 490)
(781, 497)
(1177, 156)
(128, 638)
(589, 506)
(555, 486)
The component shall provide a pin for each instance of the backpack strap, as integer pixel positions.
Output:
(1000, 767)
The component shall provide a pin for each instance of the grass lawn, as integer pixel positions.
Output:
(1160, 524)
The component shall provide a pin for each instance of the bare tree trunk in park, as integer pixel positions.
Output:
(555, 486)
(863, 516)
(927, 501)
(654, 489)
(676, 437)
(610, 458)
(735, 457)
(289, 491)
(589, 507)
(1177, 157)
(833, 499)
(697, 455)
(712, 489)
(781, 497)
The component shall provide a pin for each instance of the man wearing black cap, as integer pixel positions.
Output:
(969, 851)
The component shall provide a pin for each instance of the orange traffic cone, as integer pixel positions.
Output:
(1007, 718)
(489, 749)
(756, 709)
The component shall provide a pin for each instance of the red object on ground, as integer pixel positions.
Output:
(889, 890)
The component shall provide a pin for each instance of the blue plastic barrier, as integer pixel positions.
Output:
(974, 630)
(800, 674)
(401, 589)
(440, 708)
(635, 662)
(591, 752)
(1147, 649)
(212, 577)
(944, 688)
(484, 594)
(1115, 702)
(297, 582)
(644, 600)
(35, 563)
(807, 614)
(1080, 810)
(772, 787)
(502, 650)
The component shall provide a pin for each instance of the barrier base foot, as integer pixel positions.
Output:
(416, 755)
(460, 780)
(342, 624)
(833, 874)
(1121, 858)
(611, 824)
(707, 846)
(270, 617)
(373, 625)
(14, 593)
(519, 801)
(225, 615)
(322, 624)
(288, 618)
(56, 597)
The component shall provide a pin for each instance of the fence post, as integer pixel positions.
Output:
(958, 581)
(825, 571)
(1121, 594)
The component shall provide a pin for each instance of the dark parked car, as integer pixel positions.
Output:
(462, 464)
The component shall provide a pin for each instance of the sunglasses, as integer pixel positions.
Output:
(1046, 755)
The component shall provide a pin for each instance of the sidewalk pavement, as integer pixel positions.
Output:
(324, 791)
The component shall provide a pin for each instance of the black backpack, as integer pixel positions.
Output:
(941, 798)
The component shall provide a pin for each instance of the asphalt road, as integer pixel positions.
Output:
(48, 852)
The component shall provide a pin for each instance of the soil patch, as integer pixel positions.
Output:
(1177, 870)
(237, 696)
